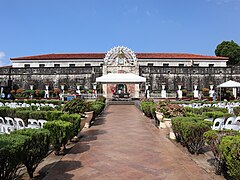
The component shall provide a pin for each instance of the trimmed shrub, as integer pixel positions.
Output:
(46, 108)
(37, 114)
(11, 152)
(214, 114)
(213, 139)
(75, 119)
(200, 111)
(230, 149)
(3, 111)
(53, 115)
(60, 133)
(236, 111)
(36, 148)
(97, 107)
(146, 107)
(189, 131)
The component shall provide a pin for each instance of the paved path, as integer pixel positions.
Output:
(125, 145)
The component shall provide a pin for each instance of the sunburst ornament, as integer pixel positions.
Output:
(120, 55)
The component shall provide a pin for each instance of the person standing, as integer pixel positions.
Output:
(214, 96)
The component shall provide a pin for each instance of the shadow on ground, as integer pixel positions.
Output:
(65, 167)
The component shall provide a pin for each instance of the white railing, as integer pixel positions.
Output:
(90, 96)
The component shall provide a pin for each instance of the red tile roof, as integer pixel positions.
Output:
(102, 55)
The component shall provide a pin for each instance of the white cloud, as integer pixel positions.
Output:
(2, 55)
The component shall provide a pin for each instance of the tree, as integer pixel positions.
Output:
(229, 49)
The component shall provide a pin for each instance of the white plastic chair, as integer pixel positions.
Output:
(232, 127)
(10, 121)
(33, 123)
(218, 124)
(237, 120)
(6, 129)
(230, 120)
(41, 122)
(2, 120)
(19, 123)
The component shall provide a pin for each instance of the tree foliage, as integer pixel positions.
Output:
(229, 49)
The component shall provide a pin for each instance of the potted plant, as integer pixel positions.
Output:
(160, 109)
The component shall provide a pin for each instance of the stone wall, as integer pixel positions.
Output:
(70, 76)
(156, 76)
(187, 76)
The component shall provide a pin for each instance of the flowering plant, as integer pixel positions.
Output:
(170, 110)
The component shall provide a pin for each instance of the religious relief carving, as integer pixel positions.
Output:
(120, 56)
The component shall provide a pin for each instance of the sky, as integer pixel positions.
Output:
(32, 27)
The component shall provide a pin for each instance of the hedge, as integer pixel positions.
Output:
(146, 107)
(216, 114)
(200, 111)
(213, 139)
(236, 111)
(53, 115)
(46, 108)
(37, 115)
(230, 149)
(36, 148)
(11, 155)
(189, 131)
(75, 119)
(97, 107)
(60, 133)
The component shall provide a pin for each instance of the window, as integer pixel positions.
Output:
(41, 65)
(71, 65)
(87, 65)
(165, 64)
(150, 64)
(26, 65)
(56, 65)
(181, 65)
(101, 64)
(211, 65)
(195, 65)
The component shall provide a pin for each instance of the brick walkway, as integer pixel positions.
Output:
(123, 144)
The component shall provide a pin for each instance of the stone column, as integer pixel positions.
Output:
(62, 88)
(235, 92)
(211, 91)
(104, 88)
(147, 91)
(136, 91)
(163, 92)
(95, 89)
(1, 90)
(78, 89)
(31, 86)
(46, 91)
(195, 92)
(179, 92)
